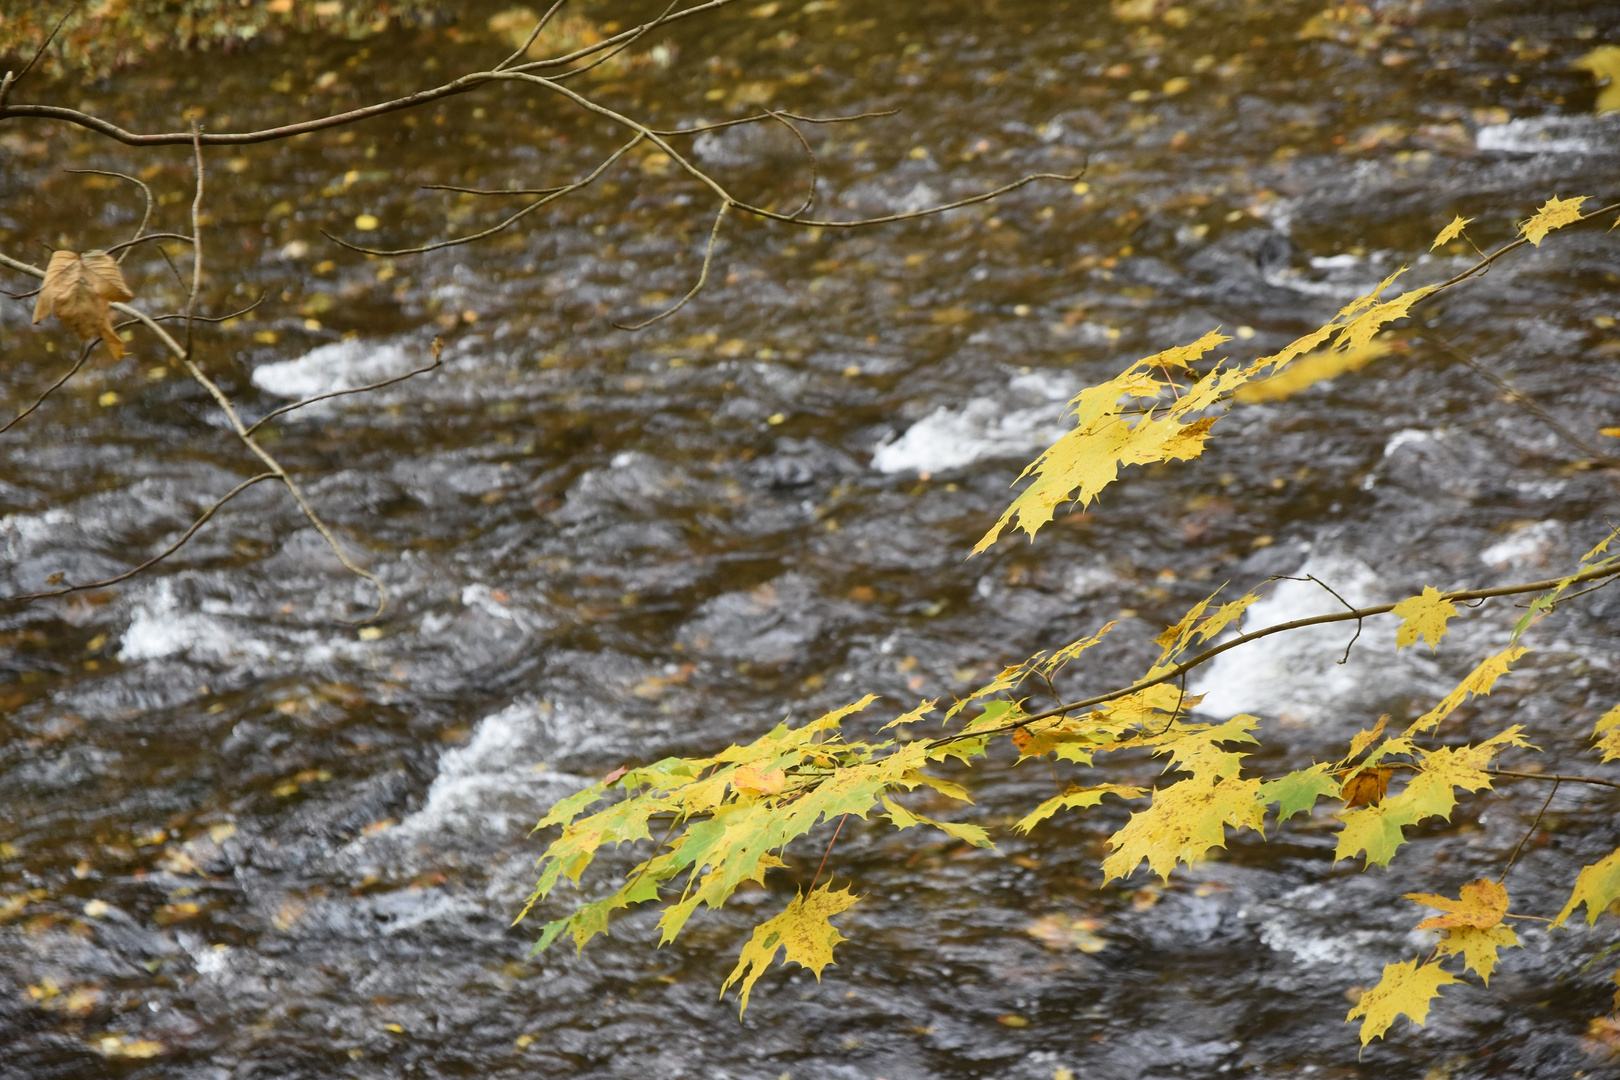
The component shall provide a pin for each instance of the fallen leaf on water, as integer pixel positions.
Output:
(79, 290)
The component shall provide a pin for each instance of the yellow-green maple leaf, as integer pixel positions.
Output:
(1423, 616)
(1365, 738)
(1451, 232)
(1553, 214)
(1607, 734)
(905, 819)
(1405, 989)
(1298, 791)
(1429, 792)
(1477, 947)
(802, 932)
(1596, 886)
(1075, 798)
(1477, 682)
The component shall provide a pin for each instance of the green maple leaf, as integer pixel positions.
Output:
(1297, 792)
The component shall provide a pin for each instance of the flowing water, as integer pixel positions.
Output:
(249, 840)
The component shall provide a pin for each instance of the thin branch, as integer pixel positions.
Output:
(810, 196)
(767, 115)
(84, 354)
(492, 230)
(463, 84)
(146, 215)
(1345, 659)
(703, 277)
(826, 853)
(196, 233)
(229, 410)
(640, 32)
(237, 314)
(1518, 396)
(1556, 778)
(1528, 833)
(160, 556)
(534, 36)
(1598, 573)
(437, 347)
(10, 82)
(127, 244)
(491, 191)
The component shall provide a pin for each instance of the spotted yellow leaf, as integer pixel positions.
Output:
(1406, 989)
(802, 932)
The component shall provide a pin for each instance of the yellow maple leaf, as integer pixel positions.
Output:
(1596, 886)
(1358, 332)
(802, 931)
(1056, 662)
(1405, 989)
(1555, 213)
(1480, 904)
(1074, 798)
(1607, 734)
(1184, 822)
(1224, 616)
(1423, 616)
(1364, 739)
(1451, 232)
(1478, 682)
(1478, 947)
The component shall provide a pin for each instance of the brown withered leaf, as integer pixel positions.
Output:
(1365, 788)
(79, 290)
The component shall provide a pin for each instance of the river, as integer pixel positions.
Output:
(242, 839)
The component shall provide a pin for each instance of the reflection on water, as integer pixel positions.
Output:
(244, 840)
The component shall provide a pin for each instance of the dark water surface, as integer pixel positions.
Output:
(254, 842)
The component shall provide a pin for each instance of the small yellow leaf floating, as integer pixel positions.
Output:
(1553, 214)
(1481, 904)
(1423, 616)
(1012, 1020)
(1611, 432)
(802, 931)
(1406, 988)
(114, 1047)
(79, 290)
(1451, 232)
(366, 222)
(1060, 932)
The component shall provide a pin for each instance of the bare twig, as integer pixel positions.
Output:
(825, 854)
(146, 215)
(768, 114)
(534, 35)
(703, 277)
(810, 195)
(1528, 833)
(640, 32)
(1176, 671)
(10, 82)
(463, 84)
(84, 354)
(1521, 398)
(160, 556)
(437, 348)
(1556, 778)
(553, 196)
